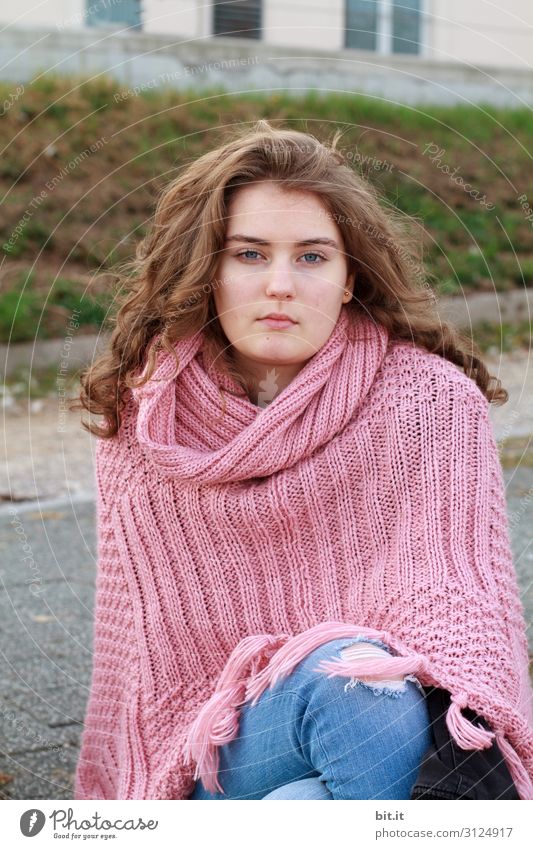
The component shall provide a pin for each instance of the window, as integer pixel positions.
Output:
(120, 12)
(406, 26)
(237, 18)
(362, 24)
(387, 26)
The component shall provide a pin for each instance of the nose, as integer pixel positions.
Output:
(280, 283)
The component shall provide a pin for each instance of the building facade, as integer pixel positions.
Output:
(472, 32)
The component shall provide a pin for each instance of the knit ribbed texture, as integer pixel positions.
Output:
(366, 499)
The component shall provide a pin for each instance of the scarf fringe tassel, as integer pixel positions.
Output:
(259, 662)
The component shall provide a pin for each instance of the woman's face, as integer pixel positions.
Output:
(283, 254)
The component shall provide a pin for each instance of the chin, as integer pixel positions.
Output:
(270, 344)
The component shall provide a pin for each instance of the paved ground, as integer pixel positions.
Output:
(45, 636)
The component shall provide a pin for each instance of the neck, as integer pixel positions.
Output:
(265, 381)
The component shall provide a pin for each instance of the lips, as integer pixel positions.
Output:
(278, 323)
(277, 316)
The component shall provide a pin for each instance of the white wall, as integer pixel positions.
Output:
(305, 23)
(183, 17)
(56, 14)
(483, 32)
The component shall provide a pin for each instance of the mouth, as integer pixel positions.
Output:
(277, 322)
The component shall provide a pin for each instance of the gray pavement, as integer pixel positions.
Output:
(46, 603)
(45, 632)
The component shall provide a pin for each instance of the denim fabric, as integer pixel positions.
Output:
(306, 788)
(356, 742)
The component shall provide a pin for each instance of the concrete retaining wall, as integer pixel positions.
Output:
(239, 64)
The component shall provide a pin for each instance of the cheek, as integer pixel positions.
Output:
(231, 299)
(327, 286)
(225, 289)
(322, 296)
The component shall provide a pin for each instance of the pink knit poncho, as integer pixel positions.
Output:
(366, 499)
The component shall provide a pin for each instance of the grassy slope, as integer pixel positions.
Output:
(101, 205)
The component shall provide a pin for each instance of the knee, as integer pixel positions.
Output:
(392, 685)
(360, 650)
(344, 649)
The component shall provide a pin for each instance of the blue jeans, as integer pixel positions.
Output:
(314, 737)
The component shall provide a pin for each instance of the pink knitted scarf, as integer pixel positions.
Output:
(366, 500)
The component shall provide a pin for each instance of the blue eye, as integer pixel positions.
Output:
(315, 255)
(249, 251)
(252, 254)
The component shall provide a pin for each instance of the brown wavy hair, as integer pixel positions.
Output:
(166, 290)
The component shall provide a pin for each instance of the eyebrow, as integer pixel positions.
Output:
(254, 240)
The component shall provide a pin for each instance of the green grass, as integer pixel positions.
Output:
(98, 211)
(24, 315)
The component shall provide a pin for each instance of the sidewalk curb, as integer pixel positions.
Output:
(42, 504)
(70, 353)
(76, 352)
(495, 307)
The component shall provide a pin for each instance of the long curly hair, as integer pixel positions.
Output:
(166, 291)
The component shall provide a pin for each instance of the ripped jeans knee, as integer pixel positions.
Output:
(365, 648)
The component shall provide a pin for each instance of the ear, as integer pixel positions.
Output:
(350, 281)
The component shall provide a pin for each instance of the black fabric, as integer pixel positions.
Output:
(449, 772)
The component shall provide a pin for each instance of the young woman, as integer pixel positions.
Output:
(301, 513)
